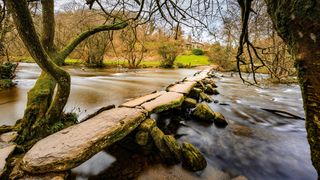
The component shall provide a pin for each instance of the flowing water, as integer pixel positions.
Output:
(257, 143)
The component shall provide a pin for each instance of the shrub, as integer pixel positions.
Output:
(168, 54)
(197, 52)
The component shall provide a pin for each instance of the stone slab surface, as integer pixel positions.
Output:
(8, 137)
(5, 150)
(70, 147)
(164, 102)
(198, 77)
(184, 87)
(141, 100)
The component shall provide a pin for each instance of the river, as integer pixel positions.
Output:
(257, 143)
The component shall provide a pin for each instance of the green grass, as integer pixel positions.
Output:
(192, 60)
(182, 60)
(73, 61)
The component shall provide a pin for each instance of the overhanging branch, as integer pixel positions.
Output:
(77, 40)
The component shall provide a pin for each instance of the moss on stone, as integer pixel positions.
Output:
(203, 112)
(189, 103)
(192, 158)
(205, 97)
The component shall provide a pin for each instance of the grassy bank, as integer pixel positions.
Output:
(181, 62)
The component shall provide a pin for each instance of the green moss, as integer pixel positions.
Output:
(203, 112)
(192, 158)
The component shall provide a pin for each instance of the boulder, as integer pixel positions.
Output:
(47, 176)
(219, 119)
(165, 153)
(192, 158)
(209, 89)
(72, 146)
(164, 102)
(6, 150)
(215, 92)
(189, 103)
(205, 97)
(203, 112)
(9, 136)
(147, 125)
(195, 93)
(173, 146)
(209, 81)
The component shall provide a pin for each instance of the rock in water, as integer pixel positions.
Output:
(158, 138)
(209, 89)
(192, 158)
(219, 120)
(173, 146)
(147, 124)
(195, 93)
(203, 112)
(189, 103)
(205, 97)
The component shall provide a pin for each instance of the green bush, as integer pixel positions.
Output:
(168, 54)
(197, 52)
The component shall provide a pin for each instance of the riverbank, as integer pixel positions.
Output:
(182, 61)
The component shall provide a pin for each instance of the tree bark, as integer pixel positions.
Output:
(298, 24)
(44, 107)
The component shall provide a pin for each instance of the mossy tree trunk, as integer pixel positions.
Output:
(45, 105)
(298, 23)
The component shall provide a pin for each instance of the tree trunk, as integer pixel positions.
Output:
(298, 24)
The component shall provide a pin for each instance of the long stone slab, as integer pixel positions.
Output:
(184, 87)
(141, 100)
(164, 102)
(70, 147)
(198, 77)
(5, 151)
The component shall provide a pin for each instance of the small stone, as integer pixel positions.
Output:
(203, 112)
(216, 101)
(192, 158)
(205, 97)
(189, 103)
(219, 119)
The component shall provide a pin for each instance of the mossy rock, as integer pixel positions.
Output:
(215, 92)
(209, 81)
(165, 153)
(203, 112)
(195, 93)
(189, 103)
(192, 158)
(142, 138)
(205, 97)
(201, 85)
(219, 120)
(173, 146)
(209, 89)
(147, 125)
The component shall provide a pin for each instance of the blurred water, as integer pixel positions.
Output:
(257, 144)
